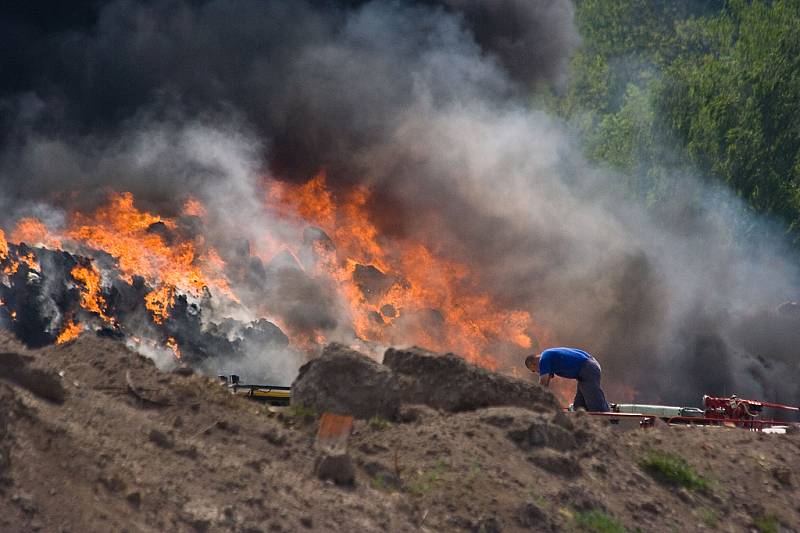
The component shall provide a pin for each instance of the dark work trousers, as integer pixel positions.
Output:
(589, 394)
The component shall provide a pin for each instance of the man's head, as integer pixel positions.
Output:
(532, 362)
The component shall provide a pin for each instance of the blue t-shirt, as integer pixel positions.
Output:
(564, 362)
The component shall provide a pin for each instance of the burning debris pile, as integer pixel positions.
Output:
(123, 275)
(159, 284)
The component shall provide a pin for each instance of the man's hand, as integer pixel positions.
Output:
(544, 380)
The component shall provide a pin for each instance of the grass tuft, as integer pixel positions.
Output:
(597, 522)
(474, 472)
(379, 482)
(673, 470)
(298, 411)
(766, 524)
(426, 480)
(709, 517)
(379, 423)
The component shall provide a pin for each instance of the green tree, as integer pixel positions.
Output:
(734, 106)
(615, 78)
(660, 88)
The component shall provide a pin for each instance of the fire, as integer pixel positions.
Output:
(127, 234)
(13, 263)
(3, 246)
(71, 331)
(34, 233)
(159, 302)
(30, 260)
(91, 300)
(172, 344)
(397, 291)
(138, 241)
(11, 268)
(419, 282)
(193, 207)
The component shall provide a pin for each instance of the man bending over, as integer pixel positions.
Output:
(571, 363)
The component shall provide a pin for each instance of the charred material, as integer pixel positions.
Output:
(372, 283)
(42, 301)
(34, 305)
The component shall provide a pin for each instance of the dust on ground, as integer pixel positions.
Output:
(94, 438)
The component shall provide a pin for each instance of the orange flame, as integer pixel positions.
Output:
(421, 296)
(90, 292)
(3, 246)
(34, 233)
(172, 344)
(137, 240)
(31, 231)
(159, 302)
(126, 233)
(193, 207)
(420, 282)
(30, 260)
(11, 268)
(71, 331)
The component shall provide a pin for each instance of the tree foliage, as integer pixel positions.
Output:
(735, 106)
(664, 87)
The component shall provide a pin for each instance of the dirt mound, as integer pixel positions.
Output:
(17, 369)
(344, 381)
(448, 382)
(130, 448)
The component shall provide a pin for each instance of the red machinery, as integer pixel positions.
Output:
(728, 411)
(742, 413)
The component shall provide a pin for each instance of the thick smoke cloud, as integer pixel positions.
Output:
(529, 38)
(425, 103)
(318, 80)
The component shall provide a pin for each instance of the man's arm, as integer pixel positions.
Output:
(544, 379)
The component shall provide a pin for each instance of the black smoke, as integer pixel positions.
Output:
(318, 80)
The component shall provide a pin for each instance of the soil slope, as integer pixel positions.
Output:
(95, 438)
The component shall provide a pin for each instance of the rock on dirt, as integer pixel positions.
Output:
(450, 383)
(338, 468)
(344, 381)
